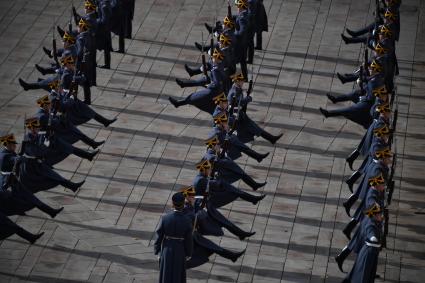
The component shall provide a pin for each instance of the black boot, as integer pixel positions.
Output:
(40, 69)
(199, 46)
(26, 86)
(180, 83)
(352, 157)
(209, 28)
(96, 144)
(121, 44)
(103, 120)
(48, 52)
(87, 94)
(107, 58)
(85, 154)
(353, 178)
(252, 183)
(349, 228)
(54, 212)
(189, 70)
(253, 154)
(258, 199)
(91, 142)
(341, 78)
(269, 137)
(341, 257)
(351, 33)
(244, 235)
(177, 103)
(30, 237)
(72, 186)
(233, 256)
(331, 98)
(324, 112)
(349, 203)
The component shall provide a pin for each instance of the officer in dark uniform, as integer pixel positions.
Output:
(8, 157)
(174, 243)
(34, 173)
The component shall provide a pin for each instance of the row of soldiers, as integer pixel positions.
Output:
(375, 108)
(181, 241)
(50, 134)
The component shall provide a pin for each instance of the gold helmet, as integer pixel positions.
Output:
(228, 22)
(390, 15)
(83, 24)
(380, 50)
(220, 118)
(373, 210)
(8, 139)
(68, 38)
(89, 5)
(377, 180)
(44, 100)
(383, 108)
(238, 77)
(385, 31)
(384, 153)
(32, 123)
(225, 40)
(211, 142)
(220, 98)
(380, 92)
(382, 131)
(241, 4)
(54, 84)
(67, 60)
(376, 66)
(188, 191)
(203, 165)
(217, 54)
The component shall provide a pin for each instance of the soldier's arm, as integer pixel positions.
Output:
(159, 238)
(188, 242)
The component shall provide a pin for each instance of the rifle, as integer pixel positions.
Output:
(229, 10)
(391, 182)
(386, 219)
(204, 61)
(54, 46)
(250, 88)
(393, 127)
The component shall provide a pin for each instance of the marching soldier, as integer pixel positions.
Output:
(174, 243)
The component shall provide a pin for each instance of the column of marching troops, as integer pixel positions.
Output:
(50, 133)
(375, 108)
